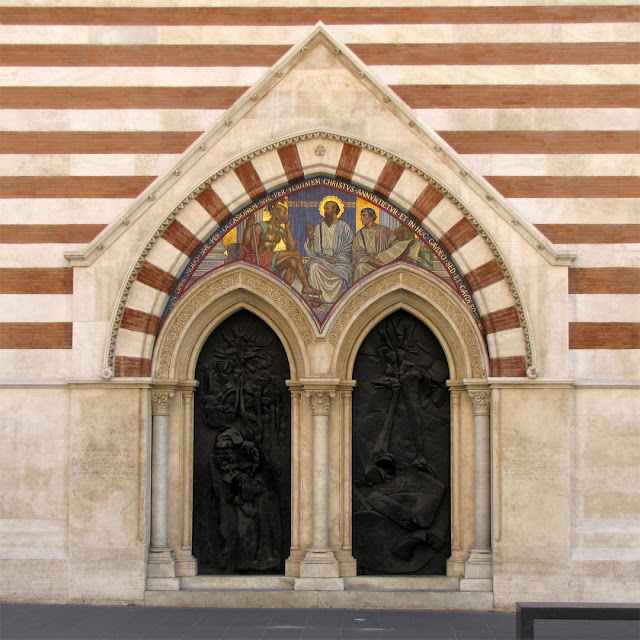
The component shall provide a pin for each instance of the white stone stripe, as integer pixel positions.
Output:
(109, 119)
(319, 155)
(533, 119)
(145, 298)
(33, 553)
(269, 168)
(35, 363)
(106, 164)
(512, 164)
(472, 255)
(441, 218)
(165, 256)
(131, 76)
(438, 119)
(493, 298)
(197, 220)
(604, 308)
(36, 308)
(61, 210)
(13, 256)
(604, 363)
(508, 74)
(131, 343)
(368, 168)
(604, 255)
(291, 34)
(506, 343)
(578, 210)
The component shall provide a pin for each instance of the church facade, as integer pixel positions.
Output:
(311, 308)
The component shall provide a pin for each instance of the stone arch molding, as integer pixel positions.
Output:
(214, 299)
(216, 200)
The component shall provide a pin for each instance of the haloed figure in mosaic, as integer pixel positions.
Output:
(259, 243)
(329, 246)
(376, 245)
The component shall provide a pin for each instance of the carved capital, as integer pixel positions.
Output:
(320, 401)
(160, 402)
(481, 402)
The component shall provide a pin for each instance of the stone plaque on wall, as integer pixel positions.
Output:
(401, 445)
(242, 451)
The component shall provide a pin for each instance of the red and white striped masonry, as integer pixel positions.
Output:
(252, 180)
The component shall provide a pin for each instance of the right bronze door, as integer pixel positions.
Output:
(401, 451)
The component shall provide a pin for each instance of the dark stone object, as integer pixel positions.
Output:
(242, 451)
(527, 612)
(401, 444)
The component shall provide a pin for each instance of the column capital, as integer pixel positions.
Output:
(481, 401)
(160, 402)
(320, 401)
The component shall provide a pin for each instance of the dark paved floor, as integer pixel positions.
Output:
(48, 622)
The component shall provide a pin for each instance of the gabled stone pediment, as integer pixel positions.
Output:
(319, 111)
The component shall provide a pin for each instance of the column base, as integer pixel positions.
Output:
(161, 570)
(456, 563)
(320, 563)
(478, 571)
(186, 566)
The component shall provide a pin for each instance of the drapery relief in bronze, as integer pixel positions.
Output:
(242, 450)
(401, 445)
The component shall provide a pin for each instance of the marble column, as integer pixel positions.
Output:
(161, 568)
(320, 569)
(479, 567)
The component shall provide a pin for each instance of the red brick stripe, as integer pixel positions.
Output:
(388, 178)
(37, 280)
(605, 280)
(136, 320)
(498, 54)
(213, 205)
(591, 233)
(567, 187)
(128, 367)
(347, 163)
(291, 163)
(181, 238)
(508, 367)
(157, 278)
(425, 203)
(543, 141)
(166, 55)
(501, 320)
(36, 335)
(96, 141)
(119, 97)
(251, 181)
(604, 335)
(236, 55)
(73, 186)
(485, 275)
(311, 15)
(44, 233)
(481, 96)
(461, 233)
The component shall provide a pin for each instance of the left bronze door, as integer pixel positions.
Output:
(242, 451)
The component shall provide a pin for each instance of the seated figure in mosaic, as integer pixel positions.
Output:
(259, 243)
(329, 246)
(376, 245)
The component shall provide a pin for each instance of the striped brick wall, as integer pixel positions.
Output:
(542, 101)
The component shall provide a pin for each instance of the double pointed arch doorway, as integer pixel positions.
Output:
(321, 556)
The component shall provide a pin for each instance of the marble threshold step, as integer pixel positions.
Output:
(362, 592)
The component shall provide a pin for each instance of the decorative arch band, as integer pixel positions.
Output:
(223, 200)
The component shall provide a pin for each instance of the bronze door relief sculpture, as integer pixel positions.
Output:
(242, 451)
(401, 444)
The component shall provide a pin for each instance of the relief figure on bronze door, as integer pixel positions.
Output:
(401, 445)
(241, 514)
